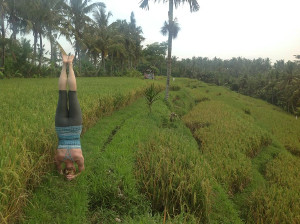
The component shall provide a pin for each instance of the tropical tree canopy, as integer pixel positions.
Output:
(115, 48)
(171, 28)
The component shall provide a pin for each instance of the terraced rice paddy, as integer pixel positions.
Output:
(27, 133)
(208, 156)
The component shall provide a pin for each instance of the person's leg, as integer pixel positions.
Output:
(61, 115)
(75, 116)
(62, 81)
(71, 78)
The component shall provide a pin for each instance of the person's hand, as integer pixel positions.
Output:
(70, 59)
(70, 176)
(64, 58)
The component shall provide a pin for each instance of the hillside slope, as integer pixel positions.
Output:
(253, 148)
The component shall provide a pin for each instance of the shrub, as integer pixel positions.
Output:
(132, 73)
(247, 111)
(175, 87)
(151, 95)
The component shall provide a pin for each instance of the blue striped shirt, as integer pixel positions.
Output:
(69, 137)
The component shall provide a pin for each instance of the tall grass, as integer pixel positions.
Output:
(254, 149)
(235, 160)
(177, 180)
(27, 134)
(279, 200)
(174, 175)
(121, 152)
(227, 141)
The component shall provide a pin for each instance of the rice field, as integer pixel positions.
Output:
(209, 155)
(253, 148)
(27, 133)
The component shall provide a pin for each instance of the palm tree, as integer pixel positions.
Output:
(32, 13)
(194, 6)
(3, 12)
(54, 22)
(174, 27)
(13, 19)
(137, 38)
(104, 35)
(78, 10)
(121, 45)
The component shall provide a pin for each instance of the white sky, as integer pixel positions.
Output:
(225, 29)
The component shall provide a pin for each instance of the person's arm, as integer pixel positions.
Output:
(80, 163)
(58, 164)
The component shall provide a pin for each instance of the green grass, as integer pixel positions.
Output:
(254, 147)
(209, 155)
(27, 134)
(118, 160)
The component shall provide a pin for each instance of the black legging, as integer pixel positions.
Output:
(68, 117)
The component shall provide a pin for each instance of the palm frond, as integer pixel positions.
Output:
(173, 28)
(194, 5)
(90, 8)
(144, 4)
(165, 29)
(61, 49)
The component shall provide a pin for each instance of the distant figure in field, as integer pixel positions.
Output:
(68, 123)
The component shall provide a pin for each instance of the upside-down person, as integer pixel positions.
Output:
(68, 123)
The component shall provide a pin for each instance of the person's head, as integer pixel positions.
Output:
(69, 169)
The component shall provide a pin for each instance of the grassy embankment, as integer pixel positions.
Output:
(254, 149)
(27, 133)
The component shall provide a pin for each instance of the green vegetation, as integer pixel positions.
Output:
(171, 28)
(28, 136)
(208, 155)
(151, 95)
(116, 49)
(137, 166)
(277, 83)
(254, 152)
(101, 48)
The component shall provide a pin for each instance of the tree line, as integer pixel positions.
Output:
(115, 49)
(100, 48)
(277, 83)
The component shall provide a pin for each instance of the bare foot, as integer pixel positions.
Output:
(70, 59)
(64, 58)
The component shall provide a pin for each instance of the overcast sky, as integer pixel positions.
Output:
(225, 29)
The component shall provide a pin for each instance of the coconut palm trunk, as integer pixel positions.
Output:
(35, 35)
(103, 62)
(169, 62)
(194, 6)
(13, 21)
(41, 50)
(3, 38)
(77, 52)
(51, 46)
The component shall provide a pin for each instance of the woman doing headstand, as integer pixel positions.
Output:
(68, 123)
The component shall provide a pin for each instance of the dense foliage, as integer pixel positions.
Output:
(100, 48)
(277, 83)
(115, 49)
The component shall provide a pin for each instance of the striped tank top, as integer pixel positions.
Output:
(69, 137)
